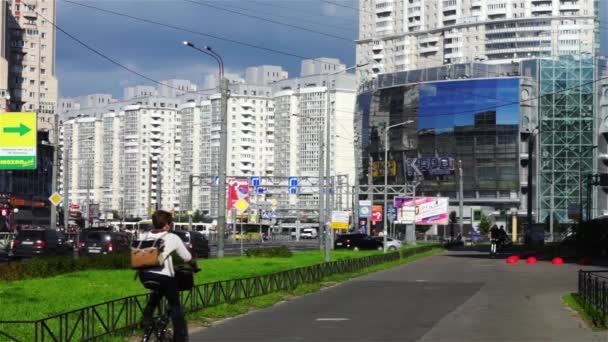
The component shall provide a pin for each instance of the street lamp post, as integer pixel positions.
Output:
(223, 145)
(386, 174)
(325, 180)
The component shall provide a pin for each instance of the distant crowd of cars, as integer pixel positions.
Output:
(360, 241)
(92, 242)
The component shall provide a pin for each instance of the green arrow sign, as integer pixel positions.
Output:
(22, 130)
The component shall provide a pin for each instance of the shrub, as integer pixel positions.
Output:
(271, 252)
(53, 266)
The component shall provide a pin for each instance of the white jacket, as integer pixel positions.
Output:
(172, 243)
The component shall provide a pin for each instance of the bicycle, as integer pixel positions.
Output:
(158, 330)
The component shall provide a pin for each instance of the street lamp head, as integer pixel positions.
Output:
(208, 48)
(187, 43)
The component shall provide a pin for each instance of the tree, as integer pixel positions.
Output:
(484, 224)
(116, 214)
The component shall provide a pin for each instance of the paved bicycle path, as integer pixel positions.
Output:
(453, 296)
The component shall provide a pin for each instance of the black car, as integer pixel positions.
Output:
(96, 242)
(195, 241)
(43, 242)
(357, 242)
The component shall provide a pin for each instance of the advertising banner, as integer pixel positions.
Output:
(340, 219)
(238, 189)
(377, 213)
(378, 168)
(365, 209)
(428, 210)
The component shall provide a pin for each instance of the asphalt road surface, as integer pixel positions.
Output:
(453, 296)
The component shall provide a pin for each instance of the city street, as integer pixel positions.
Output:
(453, 296)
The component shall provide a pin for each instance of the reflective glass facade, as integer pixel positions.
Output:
(475, 121)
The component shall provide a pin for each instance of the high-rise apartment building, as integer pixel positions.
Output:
(302, 107)
(30, 34)
(399, 35)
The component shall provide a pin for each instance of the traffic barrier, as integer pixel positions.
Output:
(531, 260)
(557, 261)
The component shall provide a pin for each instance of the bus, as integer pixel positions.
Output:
(203, 228)
(250, 231)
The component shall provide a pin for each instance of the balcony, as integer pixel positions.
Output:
(543, 9)
(496, 11)
(429, 49)
(476, 3)
(383, 7)
(569, 6)
(378, 46)
(427, 40)
(248, 119)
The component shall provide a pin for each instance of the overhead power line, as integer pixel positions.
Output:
(274, 4)
(269, 20)
(109, 59)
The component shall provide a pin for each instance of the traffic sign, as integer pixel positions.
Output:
(55, 198)
(273, 216)
(18, 141)
(293, 190)
(260, 190)
(216, 180)
(254, 181)
(293, 181)
(274, 202)
(241, 205)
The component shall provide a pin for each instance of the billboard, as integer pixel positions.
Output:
(430, 168)
(237, 189)
(365, 209)
(18, 141)
(340, 219)
(376, 213)
(428, 210)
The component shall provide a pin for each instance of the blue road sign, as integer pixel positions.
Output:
(293, 181)
(216, 180)
(273, 216)
(260, 190)
(254, 181)
(293, 190)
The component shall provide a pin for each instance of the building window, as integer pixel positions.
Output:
(42, 71)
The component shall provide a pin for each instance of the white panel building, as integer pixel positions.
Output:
(302, 106)
(398, 35)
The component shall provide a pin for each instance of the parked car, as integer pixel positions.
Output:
(43, 242)
(195, 241)
(357, 242)
(96, 242)
(391, 244)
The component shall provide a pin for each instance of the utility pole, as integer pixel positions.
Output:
(87, 200)
(190, 194)
(327, 170)
(528, 229)
(55, 167)
(552, 206)
(460, 198)
(222, 165)
(321, 190)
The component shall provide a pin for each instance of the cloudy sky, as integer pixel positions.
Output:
(158, 53)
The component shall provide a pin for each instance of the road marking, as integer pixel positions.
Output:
(421, 281)
(332, 319)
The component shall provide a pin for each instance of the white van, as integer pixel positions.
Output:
(309, 233)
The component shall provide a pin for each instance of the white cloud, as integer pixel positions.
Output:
(329, 9)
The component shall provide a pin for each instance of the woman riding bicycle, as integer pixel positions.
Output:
(494, 239)
(163, 277)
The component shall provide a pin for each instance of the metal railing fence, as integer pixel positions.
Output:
(593, 294)
(95, 321)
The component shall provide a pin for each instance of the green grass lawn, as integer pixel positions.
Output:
(39, 298)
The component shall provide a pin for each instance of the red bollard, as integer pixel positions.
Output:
(513, 259)
(584, 261)
(531, 260)
(557, 261)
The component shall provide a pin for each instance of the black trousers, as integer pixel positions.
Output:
(167, 288)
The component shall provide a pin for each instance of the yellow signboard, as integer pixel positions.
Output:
(18, 141)
(339, 225)
(378, 168)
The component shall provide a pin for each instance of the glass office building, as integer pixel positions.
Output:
(484, 116)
